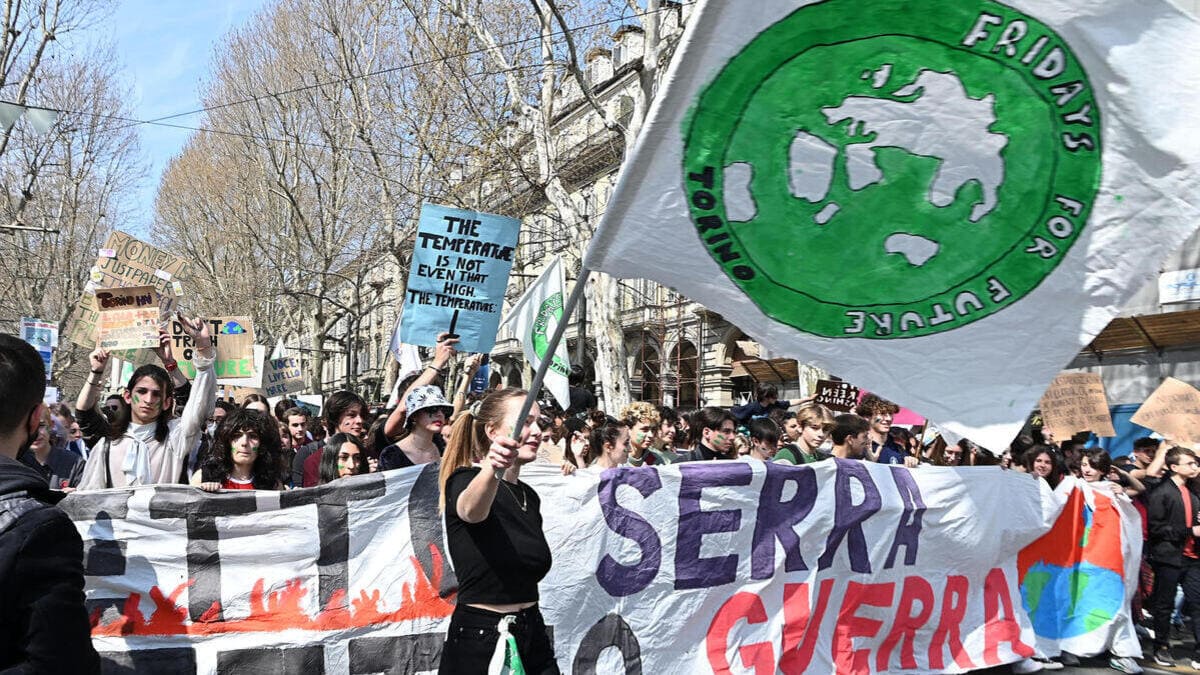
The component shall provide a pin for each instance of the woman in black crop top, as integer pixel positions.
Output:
(494, 533)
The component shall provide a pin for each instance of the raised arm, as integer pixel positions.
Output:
(202, 399)
(90, 393)
(464, 385)
(163, 350)
(92, 424)
(441, 356)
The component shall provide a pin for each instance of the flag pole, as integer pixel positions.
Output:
(540, 375)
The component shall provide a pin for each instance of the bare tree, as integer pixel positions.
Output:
(538, 87)
(315, 165)
(65, 188)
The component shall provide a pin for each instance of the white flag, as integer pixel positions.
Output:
(9, 114)
(41, 119)
(408, 356)
(533, 320)
(942, 201)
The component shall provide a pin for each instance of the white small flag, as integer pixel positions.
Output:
(40, 119)
(408, 356)
(9, 114)
(966, 189)
(533, 320)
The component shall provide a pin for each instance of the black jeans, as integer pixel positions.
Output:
(1162, 600)
(473, 634)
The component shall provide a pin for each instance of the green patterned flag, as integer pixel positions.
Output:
(533, 319)
(942, 201)
(506, 660)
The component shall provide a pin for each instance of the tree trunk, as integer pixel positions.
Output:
(604, 309)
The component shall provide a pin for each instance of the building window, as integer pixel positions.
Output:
(625, 110)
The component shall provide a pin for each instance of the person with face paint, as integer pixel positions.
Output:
(243, 456)
(764, 440)
(494, 534)
(142, 445)
(717, 429)
(44, 626)
(343, 455)
(428, 414)
(642, 421)
(663, 447)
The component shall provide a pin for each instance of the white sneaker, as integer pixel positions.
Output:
(1125, 664)
(1048, 664)
(1027, 666)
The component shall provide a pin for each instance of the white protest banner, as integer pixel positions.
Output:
(283, 376)
(126, 261)
(533, 319)
(128, 317)
(885, 188)
(697, 568)
(456, 281)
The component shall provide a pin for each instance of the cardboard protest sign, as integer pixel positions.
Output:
(126, 261)
(128, 317)
(1173, 410)
(837, 396)
(233, 337)
(283, 376)
(43, 336)
(457, 277)
(783, 587)
(1076, 402)
(973, 153)
(241, 393)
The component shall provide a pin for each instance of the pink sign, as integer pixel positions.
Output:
(905, 416)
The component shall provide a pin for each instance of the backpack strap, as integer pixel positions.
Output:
(15, 505)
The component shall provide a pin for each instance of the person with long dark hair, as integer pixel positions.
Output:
(343, 455)
(258, 402)
(1044, 463)
(244, 455)
(608, 446)
(494, 534)
(142, 444)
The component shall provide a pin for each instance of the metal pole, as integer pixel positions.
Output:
(540, 375)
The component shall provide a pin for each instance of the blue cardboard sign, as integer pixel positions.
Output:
(456, 281)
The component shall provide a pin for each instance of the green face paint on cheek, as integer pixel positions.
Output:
(137, 400)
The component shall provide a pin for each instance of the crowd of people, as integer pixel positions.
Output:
(162, 428)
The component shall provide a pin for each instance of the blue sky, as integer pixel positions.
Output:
(165, 49)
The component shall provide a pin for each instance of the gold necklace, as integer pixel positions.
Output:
(524, 501)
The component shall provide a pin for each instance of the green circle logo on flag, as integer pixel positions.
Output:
(551, 310)
(891, 170)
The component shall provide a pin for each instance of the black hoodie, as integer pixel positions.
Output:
(44, 626)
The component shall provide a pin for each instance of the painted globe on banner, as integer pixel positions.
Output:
(1071, 578)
